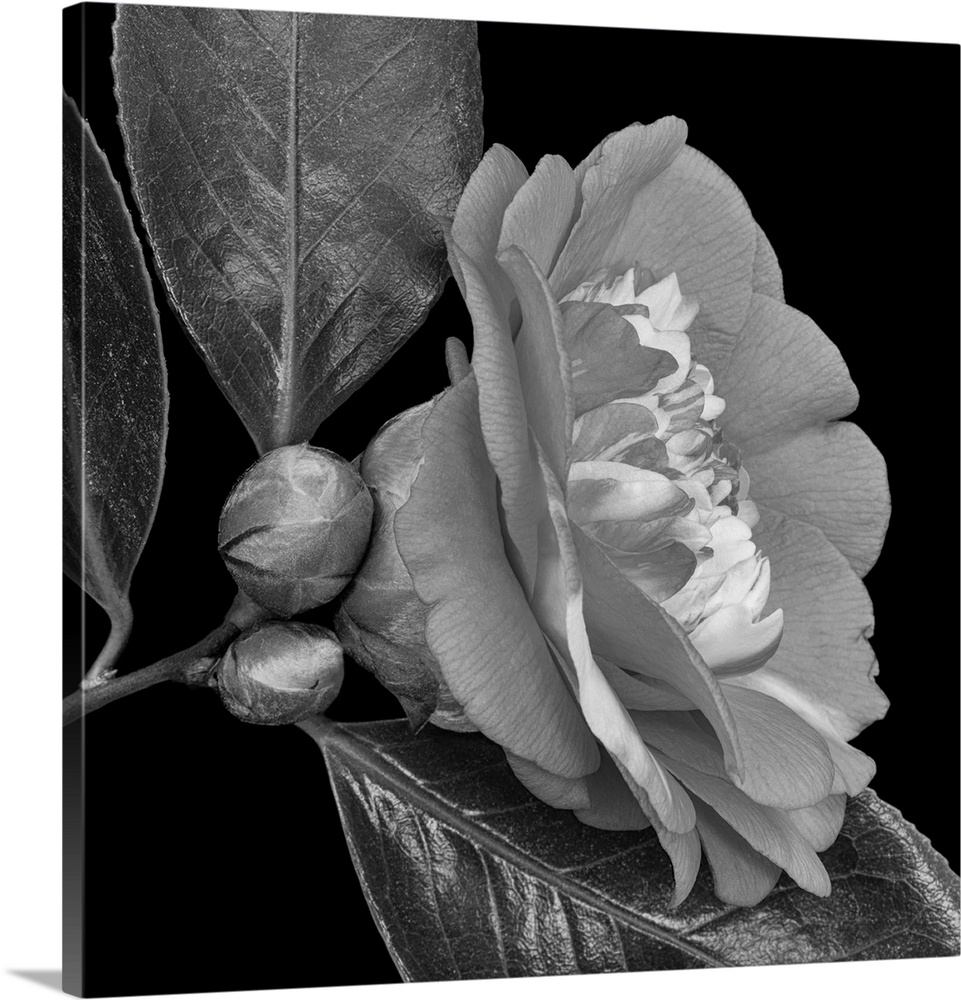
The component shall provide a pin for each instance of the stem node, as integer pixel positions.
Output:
(191, 665)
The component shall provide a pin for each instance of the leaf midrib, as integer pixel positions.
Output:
(349, 742)
(283, 418)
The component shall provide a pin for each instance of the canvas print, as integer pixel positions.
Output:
(501, 533)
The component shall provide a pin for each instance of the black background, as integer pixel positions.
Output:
(215, 858)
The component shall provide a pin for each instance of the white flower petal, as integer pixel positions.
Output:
(669, 309)
(732, 644)
(673, 342)
(714, 406)
(611, 491)
(747, 512)
(731, 542)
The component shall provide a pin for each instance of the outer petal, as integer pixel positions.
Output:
(542, 362)
(628, 629)
(693, 220)
(767, 272)
(779, 376)
(541, 214)
(558, 606)
(643, 695)
(824, 668)
(742, 876)
(480, 628)
(480, 212)
(561, 793)
(613, 806)
(503, 419)
(611, 179)
(820, 825)
(681, 737)
(768, 831)
(791, 763)
(852, 769)
(684, 851)
(689, 218)
(791, 766)
(834, 478)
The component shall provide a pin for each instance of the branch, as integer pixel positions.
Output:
(121, 625)
(185, 665)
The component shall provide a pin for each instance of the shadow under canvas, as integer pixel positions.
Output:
(51, 978)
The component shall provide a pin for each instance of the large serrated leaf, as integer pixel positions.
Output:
(292, 171)
(114, 382)
(468, 876)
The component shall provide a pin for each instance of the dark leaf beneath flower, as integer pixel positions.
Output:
(114, 380)
(469, 876)
(293, 171)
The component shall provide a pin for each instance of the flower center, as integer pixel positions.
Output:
(652, 480)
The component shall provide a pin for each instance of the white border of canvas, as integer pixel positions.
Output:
(30, 717)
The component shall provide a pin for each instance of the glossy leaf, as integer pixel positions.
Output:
(114, 382)
(293, 171)
(469, 876)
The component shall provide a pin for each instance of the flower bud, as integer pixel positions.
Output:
(381, 620)
(281, 672)
(295, 527)
(382, 597)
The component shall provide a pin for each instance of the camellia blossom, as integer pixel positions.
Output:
(637, 525)
(652, 482)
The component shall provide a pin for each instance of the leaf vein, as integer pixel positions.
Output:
(235, 299)
(360, 86)
(254, 252)
(495, 912)
(225, 69)
(372, 324)
(242, 16)
(354, 200)
(433, 890)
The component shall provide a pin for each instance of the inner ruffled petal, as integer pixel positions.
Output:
(731, 643)
(668, 308)
(611, 491)
(608, 431)
(676, 441)
(608, 359)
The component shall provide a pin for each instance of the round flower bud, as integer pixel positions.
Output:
(381, 620)
(295, 527)
(281, 672)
